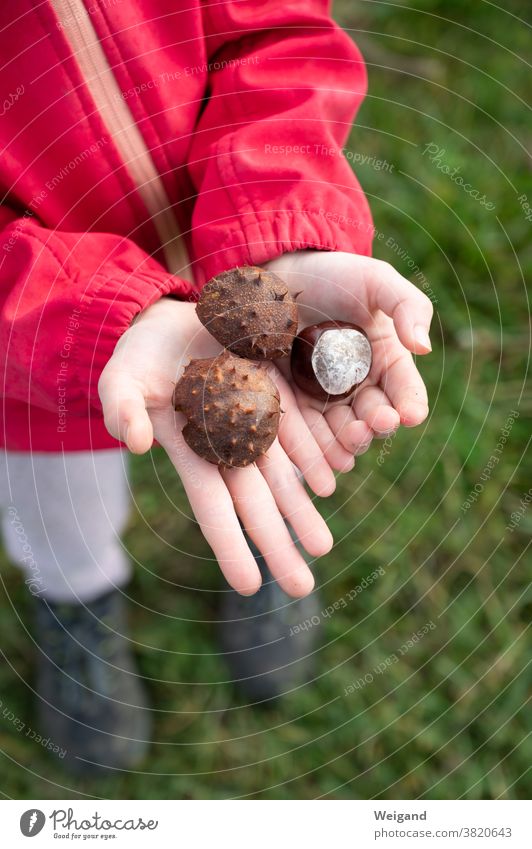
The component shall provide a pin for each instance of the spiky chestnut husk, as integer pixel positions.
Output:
(249, 311)
(232, 407)
(329, 360)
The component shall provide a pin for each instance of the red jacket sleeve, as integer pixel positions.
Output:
(65, 299)
(266, 160)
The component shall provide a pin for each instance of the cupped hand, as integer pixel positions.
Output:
(136, 389)
(396, 317)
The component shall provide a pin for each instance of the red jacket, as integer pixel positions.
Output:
(128, 125)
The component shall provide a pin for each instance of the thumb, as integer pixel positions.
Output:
(409, 308)
(124, 411)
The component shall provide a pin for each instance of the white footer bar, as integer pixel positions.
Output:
(267, 824)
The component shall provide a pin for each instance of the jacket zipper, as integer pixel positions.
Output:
(120, 123)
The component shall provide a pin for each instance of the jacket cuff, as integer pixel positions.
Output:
(255, 238)
(106, 314)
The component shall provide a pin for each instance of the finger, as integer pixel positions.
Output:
(212, 506)
(337, 457)
(255, 505)
(293, 501)
(124, 411)
(404, 387)
(373, 406)
(300, 445)
(354, 435)
(410, 308)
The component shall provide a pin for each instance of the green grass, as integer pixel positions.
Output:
(451, 718)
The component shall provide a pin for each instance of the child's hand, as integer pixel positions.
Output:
(396, 317)
(136, 390)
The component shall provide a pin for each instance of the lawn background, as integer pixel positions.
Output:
(452, 718)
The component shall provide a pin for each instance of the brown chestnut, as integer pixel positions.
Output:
(329, 360)
(232, 407)
(251, 312)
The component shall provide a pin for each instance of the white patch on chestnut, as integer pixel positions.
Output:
(341, 359)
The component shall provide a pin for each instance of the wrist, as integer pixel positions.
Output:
(167, 308)
(289, 266)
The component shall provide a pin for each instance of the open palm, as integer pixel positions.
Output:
(396, 317)
(136, 389)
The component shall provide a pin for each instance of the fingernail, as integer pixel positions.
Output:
(422, 337)
(413, 413)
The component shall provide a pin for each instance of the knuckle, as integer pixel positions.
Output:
(386, 268)
(380, 273)
(425, 302)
